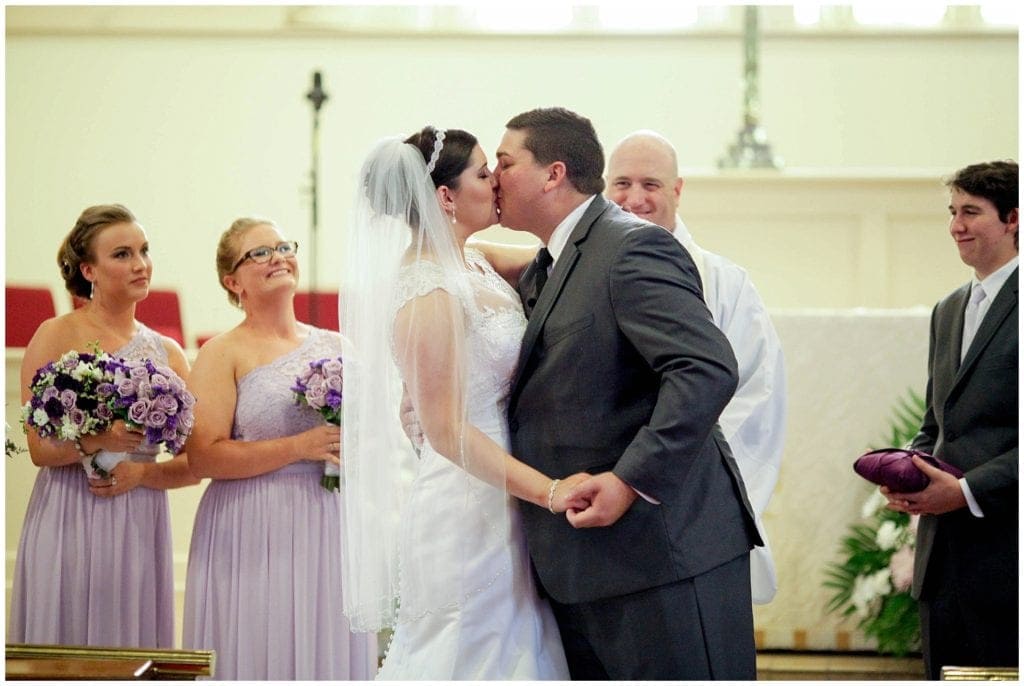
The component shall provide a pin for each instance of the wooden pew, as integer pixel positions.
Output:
(57, 662)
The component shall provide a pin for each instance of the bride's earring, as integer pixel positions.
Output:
(454, 220)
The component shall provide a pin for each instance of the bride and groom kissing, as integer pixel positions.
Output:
(585, 379)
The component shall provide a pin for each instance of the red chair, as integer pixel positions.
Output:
(160, 311)
(318, 308)
(27, 308)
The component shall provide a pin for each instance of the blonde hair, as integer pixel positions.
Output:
(227, 250)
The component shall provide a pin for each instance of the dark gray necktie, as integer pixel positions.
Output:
(540, 277)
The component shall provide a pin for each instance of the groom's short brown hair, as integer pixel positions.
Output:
(557, 134)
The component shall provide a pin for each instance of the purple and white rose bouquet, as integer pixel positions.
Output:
(319, 387)
(65, 403)
(152, 399)
(84, 393)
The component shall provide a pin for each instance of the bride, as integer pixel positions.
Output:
(435, 548)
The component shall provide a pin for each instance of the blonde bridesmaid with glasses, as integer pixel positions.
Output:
(94, 563)
(264, 571)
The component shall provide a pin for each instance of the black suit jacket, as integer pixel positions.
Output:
(623, 369)
(971, 422)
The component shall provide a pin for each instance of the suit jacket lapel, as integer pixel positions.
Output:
(553, 288)
(1000, 309)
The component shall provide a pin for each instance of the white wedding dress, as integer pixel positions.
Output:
(468, 605)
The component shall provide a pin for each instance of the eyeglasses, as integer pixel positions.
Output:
(263, 253)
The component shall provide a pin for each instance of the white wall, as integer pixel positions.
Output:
(193, 131)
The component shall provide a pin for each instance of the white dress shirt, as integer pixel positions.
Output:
(991, 285)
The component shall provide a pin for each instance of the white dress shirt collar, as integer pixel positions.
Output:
(993, 283)
(560, 236)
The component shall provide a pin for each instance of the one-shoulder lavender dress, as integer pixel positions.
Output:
(90, 570)
(264, 570)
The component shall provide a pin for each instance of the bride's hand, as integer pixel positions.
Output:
(562, 500)
(320, 443)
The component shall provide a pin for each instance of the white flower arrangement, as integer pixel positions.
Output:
(873, 580)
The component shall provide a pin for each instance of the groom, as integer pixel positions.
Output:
(623, 375)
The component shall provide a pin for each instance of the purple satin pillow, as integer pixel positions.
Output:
(893, 468)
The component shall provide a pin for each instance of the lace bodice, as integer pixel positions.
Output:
(494, 326)
(145, 344)
(265, 405)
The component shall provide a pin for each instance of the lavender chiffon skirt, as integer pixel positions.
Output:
(93, 571)
(264, 581)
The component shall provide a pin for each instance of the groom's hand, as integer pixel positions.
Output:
(564, 496)
(410, 422)
(609, 498)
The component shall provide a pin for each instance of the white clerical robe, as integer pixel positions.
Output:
(754, 420)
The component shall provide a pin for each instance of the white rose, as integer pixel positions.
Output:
(887, 535)
(40, 417)
(873, 504)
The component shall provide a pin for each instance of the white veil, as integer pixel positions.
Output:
(397, 220)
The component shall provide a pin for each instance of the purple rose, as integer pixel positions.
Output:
(158, 380)
(68, 398)
(332, 367)
(126, 387)
(49, 394)
(156, 419)
(103, 412)
(145, 389)
(166, 404)
(105, 389)
(138, 411)
(139, 374)
(316, 396)
(334, 382)
(77, 417)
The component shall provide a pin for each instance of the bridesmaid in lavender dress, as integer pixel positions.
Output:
(264, 571)
(94, 560)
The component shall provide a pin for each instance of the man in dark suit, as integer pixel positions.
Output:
(623, 375)
(965, 565)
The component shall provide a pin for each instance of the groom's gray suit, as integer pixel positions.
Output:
(623, 369)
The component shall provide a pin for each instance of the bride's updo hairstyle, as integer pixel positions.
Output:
(453, 159)
(77, 245)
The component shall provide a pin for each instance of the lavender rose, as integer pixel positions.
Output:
(166, 404)
(138, 411)
(126, 387)
(68, 398)
(156, 419)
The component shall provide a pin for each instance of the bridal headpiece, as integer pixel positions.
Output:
(436, 154)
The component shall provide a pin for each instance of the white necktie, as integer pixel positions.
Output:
(972, 318)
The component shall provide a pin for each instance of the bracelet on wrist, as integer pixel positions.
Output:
(551, 495)
(81, 450)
